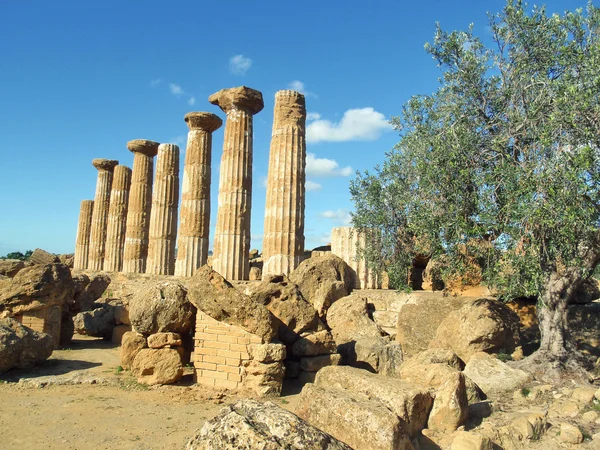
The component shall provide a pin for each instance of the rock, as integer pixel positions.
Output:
(375, 354)
(161, 340)
(419, 320)
(450, 406)
(36, 287)
(22, 347)
(88, 289)
(493, 376)
(248, 424)
(214, 295)
(316, 363)
(284, 300)
(464, 440)
(131, 344)
(67, 328)
(99, 322)
(589, 417)
(319, 343)
(530, 425)
(352, 418)
(255, 273)
(253, 254)
(570, 434)
(323, 280)
(161, 307)
(157, 366)
(436, 356)
(10, 267)
(118, 332)
(410, 402)
(43, 257)
(264, 380)
(482, 326)
(348, 319)
(584, 395)
(68, 259)
(267, 353)
(122, 314)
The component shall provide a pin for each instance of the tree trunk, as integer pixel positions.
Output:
(552, 316)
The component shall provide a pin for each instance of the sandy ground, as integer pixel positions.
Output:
(79, 400)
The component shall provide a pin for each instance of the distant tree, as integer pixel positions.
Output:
(501, 163)
(18, 255)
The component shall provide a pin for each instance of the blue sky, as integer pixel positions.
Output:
(78, 79)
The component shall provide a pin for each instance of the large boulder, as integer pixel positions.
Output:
(348, 319)
(99, 322)
(248, 424)
(157, 366)
(419, 319)
(409, 402)
(208, 291)
(323, 280)
(482, 326)
(312, 344)
(42, 257)
(88, 289)
(376, 354)
(162, 307)
(36, 287)
(284, 300)
(493, 376)
(10, 267)
(352, 418)
(451, 406)
(21, 347)
(131, 344)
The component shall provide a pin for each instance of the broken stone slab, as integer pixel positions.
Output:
(352, 418)
(348, 319)
(410, 402)
(99, 322)
(450, 406)
(161, 340)
(157, 366)
(375, 354)
(43, 257)
(493, 376)
(248, 424)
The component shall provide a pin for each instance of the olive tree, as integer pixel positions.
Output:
(501, 163)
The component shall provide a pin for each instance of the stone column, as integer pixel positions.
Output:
(117, 219)
(344, 243)
(163, 218)
(194, 215)
(232, 236)
(82, 242)
(140, 203)
(283, 243)
(100, 213)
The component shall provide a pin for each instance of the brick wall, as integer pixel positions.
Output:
(43, 320)
(219, 352)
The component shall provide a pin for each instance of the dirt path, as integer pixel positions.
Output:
(79, 400)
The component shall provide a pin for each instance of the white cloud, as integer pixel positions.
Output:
(175, 89)
(313, 116)
(298, 85)
(178, 140)
(311, 186)
(340, 216)
(239, 64)
(360, 124)
(154, 83)
(323, 167)
(192, 101)
(264, 182)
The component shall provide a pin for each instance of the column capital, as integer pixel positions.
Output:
(105, 164)
(295, 96)
(144, 146)
(241, 97)
(205, 121)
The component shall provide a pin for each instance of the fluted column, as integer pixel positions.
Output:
(100, 213)
(139, 206)
(163, 217)
(117, 219)
(232, 236)
(345, 243)
(283, 243)
(82, 242)
(194, 214)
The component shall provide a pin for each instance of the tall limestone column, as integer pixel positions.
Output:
(117, 219)
(82, 243)
(163, 217)
(194, 215)
(283, 243)
(232, 236)
(100, 213)
(140, 203)
(345, 242)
